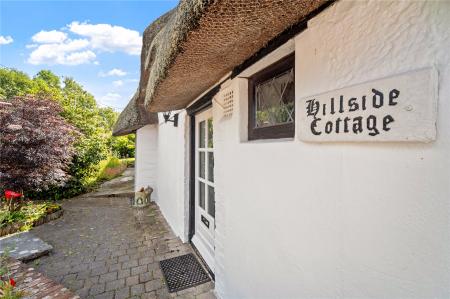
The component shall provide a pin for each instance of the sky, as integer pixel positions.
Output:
(98, 43)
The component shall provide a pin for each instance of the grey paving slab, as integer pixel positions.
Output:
(122, 186)
(24, 246)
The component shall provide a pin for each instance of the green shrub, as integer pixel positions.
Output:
(29, 213)
(7, 217)
(80, 109)
(111, 168)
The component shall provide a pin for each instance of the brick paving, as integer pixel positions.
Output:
(103, 248)
(33, 284)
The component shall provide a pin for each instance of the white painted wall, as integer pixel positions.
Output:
(340, 220)
(146, 164)
(172, 176)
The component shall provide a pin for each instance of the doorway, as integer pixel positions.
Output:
(204, 188)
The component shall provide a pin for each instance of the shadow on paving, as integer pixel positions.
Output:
(103, 248)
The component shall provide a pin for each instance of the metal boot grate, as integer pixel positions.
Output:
(183, 272)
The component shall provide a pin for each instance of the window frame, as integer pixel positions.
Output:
(276, 131)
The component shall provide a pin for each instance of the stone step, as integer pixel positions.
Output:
(24, 246)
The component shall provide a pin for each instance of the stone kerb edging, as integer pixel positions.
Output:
(15, 227)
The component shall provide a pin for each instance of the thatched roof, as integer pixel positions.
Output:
(203, 40)
(192, 47)
(133, 117)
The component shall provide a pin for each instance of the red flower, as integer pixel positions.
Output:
(12, 282)
(11, 194)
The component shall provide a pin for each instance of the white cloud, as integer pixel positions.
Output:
(109, 38)
(113, 72)
(66, 53)
(110, 99)
(52, 36)
(4, 40)
(80, 57)
(118, 83)
(56, 47)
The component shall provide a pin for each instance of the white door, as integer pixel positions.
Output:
(205, 206)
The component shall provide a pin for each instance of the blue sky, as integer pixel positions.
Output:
(95, 42)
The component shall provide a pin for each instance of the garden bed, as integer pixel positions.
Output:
(30, 214)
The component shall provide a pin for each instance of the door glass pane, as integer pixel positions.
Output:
(201, 134)
(210, 133)
(211, 167)
(201, 164)
(211, 202)
(201, 195)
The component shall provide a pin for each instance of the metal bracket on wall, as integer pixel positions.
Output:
(168, 118)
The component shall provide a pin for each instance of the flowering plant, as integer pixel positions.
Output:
(7, 284)
(11, 194)
(13, 200)
(8, 291)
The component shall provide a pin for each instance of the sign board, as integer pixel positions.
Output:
(398, 108)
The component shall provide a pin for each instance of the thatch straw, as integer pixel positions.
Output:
(192, 47)
(133, 117)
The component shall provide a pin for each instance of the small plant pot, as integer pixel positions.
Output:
(142, 198)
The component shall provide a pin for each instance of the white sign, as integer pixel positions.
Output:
(399, 108)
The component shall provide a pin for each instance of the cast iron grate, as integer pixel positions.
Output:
(183, 272)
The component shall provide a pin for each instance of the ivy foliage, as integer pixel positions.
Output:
(80, 109)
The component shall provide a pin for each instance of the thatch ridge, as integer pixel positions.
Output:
(133, 117)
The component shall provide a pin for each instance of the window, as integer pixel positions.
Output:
(271, 110)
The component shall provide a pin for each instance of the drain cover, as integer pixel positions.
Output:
(183, 272)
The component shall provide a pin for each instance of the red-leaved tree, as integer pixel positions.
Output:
(36, 144)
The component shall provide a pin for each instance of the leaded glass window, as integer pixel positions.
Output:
(274, 100)
(271, 103)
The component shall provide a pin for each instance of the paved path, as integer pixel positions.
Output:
(103, 248)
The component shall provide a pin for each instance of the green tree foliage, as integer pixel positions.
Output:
(123, 146)
(80, 109)
(14, 83)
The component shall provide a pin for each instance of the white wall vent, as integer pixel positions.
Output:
(227, 101)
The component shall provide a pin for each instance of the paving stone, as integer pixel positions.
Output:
(34, 283)
(108, 277)
(145, 261)
(115, 284)
(162, 293)
(24, 246)
(153, 285)
(106, 295)
(138, 289)
(153, 266)
(122, 293)
(98, 236)
(99, 270)
(130, 281)
(124, 258)
(115, 267)
(129, 264)
(144, 277)
(124, 273)
(74, 284)
(138, 270)
(97, 289)
(207, 295)
(150, 295)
